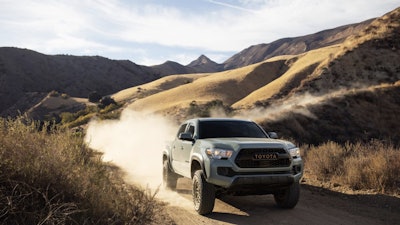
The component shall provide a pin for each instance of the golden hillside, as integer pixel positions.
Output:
(228, 86)
(368, 58)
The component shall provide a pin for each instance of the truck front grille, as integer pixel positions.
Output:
(247, 158)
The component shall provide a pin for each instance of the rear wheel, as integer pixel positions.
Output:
(203, 194)
(289, 197)
(169, 178)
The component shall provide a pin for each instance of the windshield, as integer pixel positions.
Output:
(225, 129)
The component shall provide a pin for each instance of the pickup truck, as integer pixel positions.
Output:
(232, 156)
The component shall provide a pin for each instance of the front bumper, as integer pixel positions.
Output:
(227, 175)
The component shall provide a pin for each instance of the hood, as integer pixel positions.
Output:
(239, 143)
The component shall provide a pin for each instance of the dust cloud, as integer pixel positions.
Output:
(135, 143)
(298, 104)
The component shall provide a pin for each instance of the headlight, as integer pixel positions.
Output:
(217, 153)
(294, 152)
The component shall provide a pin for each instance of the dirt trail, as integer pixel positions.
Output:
(316, 206)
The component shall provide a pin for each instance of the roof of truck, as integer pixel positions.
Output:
(217, 119)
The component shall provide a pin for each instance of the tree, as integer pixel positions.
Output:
(105, 101)
(94, 97)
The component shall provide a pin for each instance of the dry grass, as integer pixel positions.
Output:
(227, 86)
(375, 165)
(52, 177)
(300, 67)
(154, 87)
(326, 160)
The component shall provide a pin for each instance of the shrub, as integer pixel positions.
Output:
(67, 117)
(64, 96)
(106, 101)
(326, 159)
(54, 93)
(374, 165)
(110, 107)
(81, 120)
(94, 97)
(52, 177)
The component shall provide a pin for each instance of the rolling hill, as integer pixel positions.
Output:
(27, 76)
(332, 93)
(25, 73)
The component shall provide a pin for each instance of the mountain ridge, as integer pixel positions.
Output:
(293, 46)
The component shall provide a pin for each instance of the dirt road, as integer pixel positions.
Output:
(316, 206)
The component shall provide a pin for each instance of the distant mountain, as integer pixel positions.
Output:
(23, 72)
(205, 65)
(201, 65)
(170, 67)
(293, 46)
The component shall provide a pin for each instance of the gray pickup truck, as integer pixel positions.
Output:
(232, 156)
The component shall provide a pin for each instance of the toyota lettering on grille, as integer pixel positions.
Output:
(265, 156)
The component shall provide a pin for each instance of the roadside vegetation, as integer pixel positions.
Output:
(82, 117)
(361, 166)
(50, 176)
(103, 108)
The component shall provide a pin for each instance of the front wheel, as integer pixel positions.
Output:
(289, 197)
(203, 194)
(169, 178)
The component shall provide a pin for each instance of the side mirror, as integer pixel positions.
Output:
(186, 136)
(273, 135)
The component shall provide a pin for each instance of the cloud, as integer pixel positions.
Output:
(229, 5)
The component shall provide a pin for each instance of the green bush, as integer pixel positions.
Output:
(67, 117)
(110, 108)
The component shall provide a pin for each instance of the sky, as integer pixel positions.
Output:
(150, 32)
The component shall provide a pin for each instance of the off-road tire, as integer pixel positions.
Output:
(203, 194)
(169, 178)
(289, 197)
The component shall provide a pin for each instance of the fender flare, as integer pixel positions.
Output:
(166, 155)
(197, 158)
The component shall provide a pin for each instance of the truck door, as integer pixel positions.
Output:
(181, 150)
(187, 145)
(177, 146)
